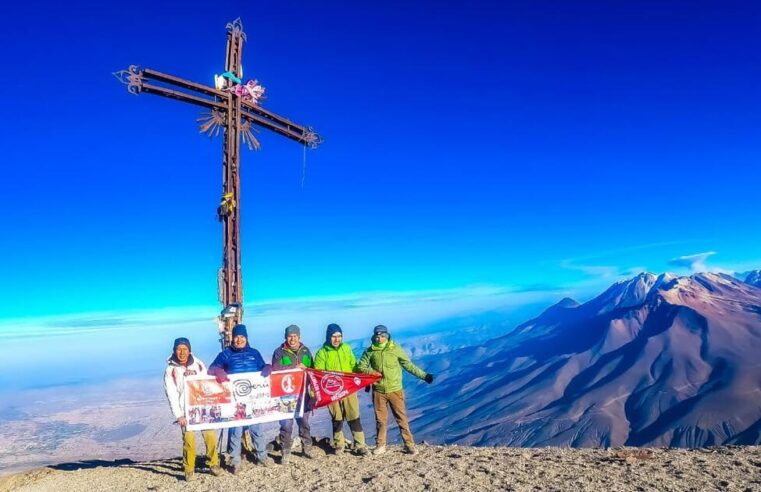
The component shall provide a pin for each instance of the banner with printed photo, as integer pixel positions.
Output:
(247, 398)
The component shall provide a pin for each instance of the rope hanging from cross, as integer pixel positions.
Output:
(232, 109)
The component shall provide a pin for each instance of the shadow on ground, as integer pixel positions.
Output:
(172, 468)
(87, 464)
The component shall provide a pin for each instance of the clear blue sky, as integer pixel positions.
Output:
(521, 144)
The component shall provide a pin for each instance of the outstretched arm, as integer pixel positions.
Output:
(408, 366)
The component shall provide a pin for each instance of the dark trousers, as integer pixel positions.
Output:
(286, 431)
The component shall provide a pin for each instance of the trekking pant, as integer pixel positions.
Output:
(286, 432)
(234, 442)
(346, 409)
(189, 449)
(395, 400)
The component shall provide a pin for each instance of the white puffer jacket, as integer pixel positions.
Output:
(174, 382)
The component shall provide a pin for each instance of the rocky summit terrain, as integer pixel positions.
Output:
(445, 468)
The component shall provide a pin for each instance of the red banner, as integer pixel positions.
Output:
(286, 383)
(330, 386)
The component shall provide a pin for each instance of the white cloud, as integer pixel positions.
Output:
(602, 273)
(696, 262)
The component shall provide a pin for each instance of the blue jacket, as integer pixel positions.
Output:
(235, 361)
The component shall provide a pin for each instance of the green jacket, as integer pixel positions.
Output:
(285, 358)
(389, 361)
(340, 359)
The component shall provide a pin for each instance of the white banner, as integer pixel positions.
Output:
(247, 398)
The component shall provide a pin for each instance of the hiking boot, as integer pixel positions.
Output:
(411, 449)
(237, 469)
(265, 462)
(308, 452)
(216, 471)
(285, 459)
(379, 450)
(339, 449)
(363, 451)
(190, 476)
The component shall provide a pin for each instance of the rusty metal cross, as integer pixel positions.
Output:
(233, 109)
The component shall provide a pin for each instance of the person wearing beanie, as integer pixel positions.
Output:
(335, 355)
(293, 354)
(387, 359)
(237, 358)
(181, 364)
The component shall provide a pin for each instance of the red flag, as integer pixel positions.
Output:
(286, 383)
(330, 386)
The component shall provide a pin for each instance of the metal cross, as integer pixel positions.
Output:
(233, 109)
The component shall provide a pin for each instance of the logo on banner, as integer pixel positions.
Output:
(331, 384)
(287, 384)
(242, 387)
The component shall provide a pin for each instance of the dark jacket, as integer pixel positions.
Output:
(285, 358)
(234, 361)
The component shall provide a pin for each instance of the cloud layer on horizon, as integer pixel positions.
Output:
(77, 348)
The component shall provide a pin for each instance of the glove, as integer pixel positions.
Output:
(266, 370)
(428, 378)
(368, 388)
(221, 376)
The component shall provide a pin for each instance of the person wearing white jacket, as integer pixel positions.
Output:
(179, 365)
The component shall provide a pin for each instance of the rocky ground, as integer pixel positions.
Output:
(445, 468)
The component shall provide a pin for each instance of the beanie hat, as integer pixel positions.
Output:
(240, 330)
(293, 330)
(380, 329)
(332, 330)
(177, 343)
(181, 341)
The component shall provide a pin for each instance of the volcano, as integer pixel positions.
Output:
(656, 360)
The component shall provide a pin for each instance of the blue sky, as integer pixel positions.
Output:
(519, 145)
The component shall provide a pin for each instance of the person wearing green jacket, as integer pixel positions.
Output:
(386, 358)
(335, 355)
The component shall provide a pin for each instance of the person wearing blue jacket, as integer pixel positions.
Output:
(241, 357)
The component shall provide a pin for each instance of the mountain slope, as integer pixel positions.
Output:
(754, 278)
(655, 360)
